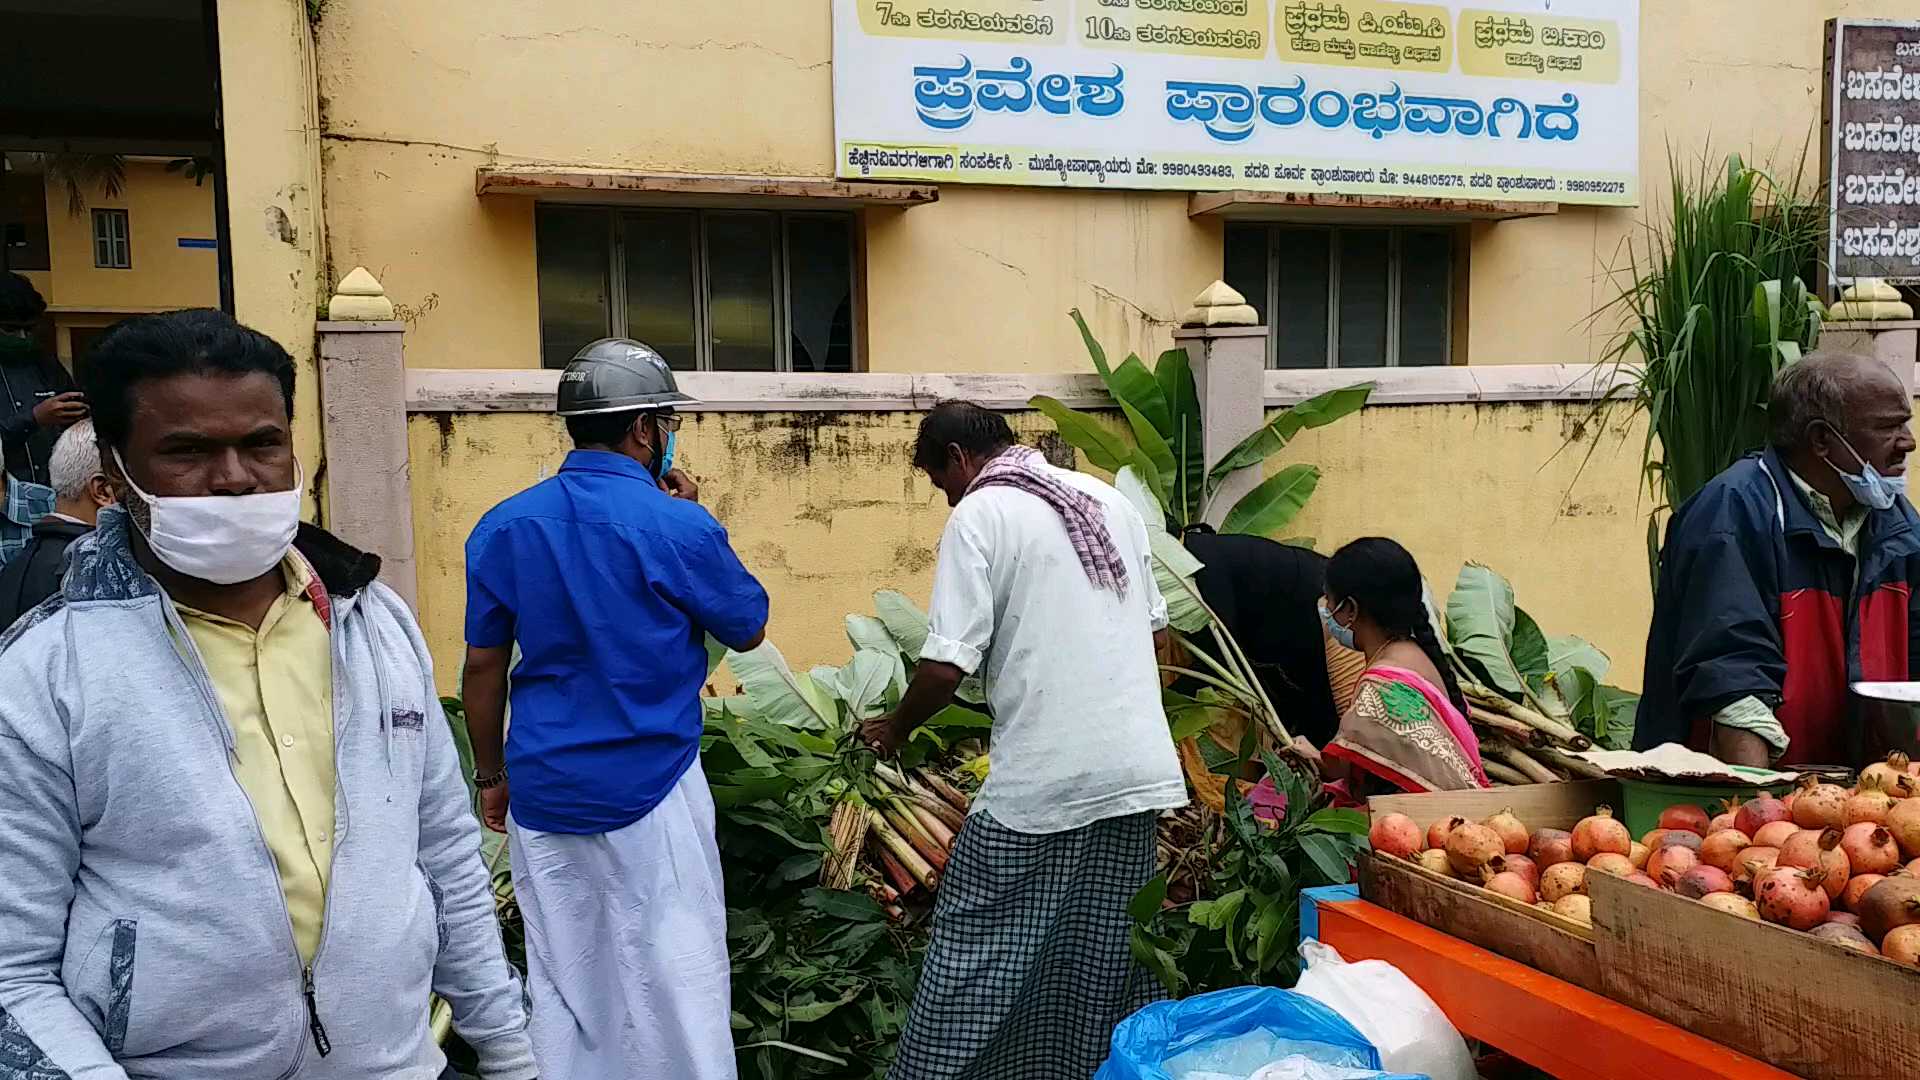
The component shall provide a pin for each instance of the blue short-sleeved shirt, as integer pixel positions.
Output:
(609, 586)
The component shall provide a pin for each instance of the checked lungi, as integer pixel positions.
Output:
(1029, 968)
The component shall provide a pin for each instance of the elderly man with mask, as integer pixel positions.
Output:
(1791, 576)
(80, 492)
(234, 840)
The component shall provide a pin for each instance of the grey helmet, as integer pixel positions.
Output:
(617, 375)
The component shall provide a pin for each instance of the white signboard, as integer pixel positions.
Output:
(1516, 100)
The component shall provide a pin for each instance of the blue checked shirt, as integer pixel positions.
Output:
(25, 504)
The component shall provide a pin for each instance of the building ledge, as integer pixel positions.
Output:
(567, 184)
(1356, 209)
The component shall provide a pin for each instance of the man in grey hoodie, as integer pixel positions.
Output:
(234, 841)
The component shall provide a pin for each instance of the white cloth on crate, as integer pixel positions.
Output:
(1078, 733)
(627, 945)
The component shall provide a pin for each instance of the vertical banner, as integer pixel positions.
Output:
(1515, 100)
(1872, 150)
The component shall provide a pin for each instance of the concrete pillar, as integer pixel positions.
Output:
(1871, 319)
(363, 410)
(1228, 351)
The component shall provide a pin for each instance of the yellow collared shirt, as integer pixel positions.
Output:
(276, 687)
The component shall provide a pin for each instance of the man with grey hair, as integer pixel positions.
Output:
(1789, 577)
(80, 489)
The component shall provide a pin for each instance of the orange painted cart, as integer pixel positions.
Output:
(1552, 1025)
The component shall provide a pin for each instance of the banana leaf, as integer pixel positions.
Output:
(905, 623)
(1569, 652)
(1133, 385)
(1150, 443)
(1480, 622)
(1278, 432)
(1104, 450)
(869, 634)
(1268, 508)
(1098, 354)
(774, 692)
(1171, 559)
(1174, 372)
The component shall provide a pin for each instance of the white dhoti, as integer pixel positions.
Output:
(627, 945)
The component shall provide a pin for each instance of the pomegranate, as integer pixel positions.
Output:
(1755, 862)
(1732, 904)
(1722, 822)
(1435, 860)
(1438, 831)
(1671, 860)
(1700, 881)
(1637, 855)
(1685, 816)
(1600, 833)
(1775, 833)
(1870, 849)
(1857, 887)
(1871, 805)
(1470, 847)
(1575, 906)
(1659, 838)
(1902, 945)
(1720, 849)
(1609, 863)
(1639, 878)
(1818, 850)
(1846, 937)
(1792, 896)
(1512, 833)
(1545, 843)
(1758, 811)
(1889, 776)
(1519, 864)
(1819, 806)
(1903, 821)
(1508, 883)
(1394, 834)
(1653, 838)
(1892, 903)
(1562, 879)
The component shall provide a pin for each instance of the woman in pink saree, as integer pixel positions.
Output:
(1407, 727)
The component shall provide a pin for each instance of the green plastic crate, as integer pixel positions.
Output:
(1645, 799)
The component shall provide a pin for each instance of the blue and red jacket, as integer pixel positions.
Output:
(1757, 599)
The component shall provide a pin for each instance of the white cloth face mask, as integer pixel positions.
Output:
(225, 539)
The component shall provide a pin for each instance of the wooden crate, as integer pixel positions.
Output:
(1771, 993)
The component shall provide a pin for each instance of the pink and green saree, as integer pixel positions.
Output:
(1403, 730)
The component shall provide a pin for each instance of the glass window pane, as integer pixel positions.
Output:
(1363, 297)
(1425, 284)
(740, 291)
(820, 291)
(1300, 315)
(571, 249)
(659, 272)
(1246, 265)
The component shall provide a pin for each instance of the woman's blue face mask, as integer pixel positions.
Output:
(1343, 635)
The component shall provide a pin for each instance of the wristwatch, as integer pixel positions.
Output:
(491, 780)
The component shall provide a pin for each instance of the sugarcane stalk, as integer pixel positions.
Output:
(953, 796)
(1554, 729)
(1508, 726)
(1580, 767)
(910, 859)
(903, 822)
(1501, 774)
(1517, 760)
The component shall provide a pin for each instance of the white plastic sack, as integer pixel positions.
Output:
(1300, 1068)
(1402, 1022)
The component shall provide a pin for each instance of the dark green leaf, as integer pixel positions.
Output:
(959, 716)
(833, 903)
(1216, 914)
(1150, 443)
(796, 867)
(1278, 432)
(1103, 449)
(1220, 761)
(1146, 903)
(1156, 960)
(1530, 652)
(1332, 820)
(1094, 351)
(1187, 721)
(1268, 508)
(818, 1010)
(1134, 386)
(1174, 373)
(1333, 859)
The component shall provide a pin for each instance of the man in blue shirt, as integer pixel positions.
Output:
(609, 584)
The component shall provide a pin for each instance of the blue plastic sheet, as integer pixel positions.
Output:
(1181, 1032)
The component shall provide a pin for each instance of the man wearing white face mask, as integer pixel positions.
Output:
(1791, 576)
(233, 833)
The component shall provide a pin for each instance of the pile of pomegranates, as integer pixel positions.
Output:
(1842, 864)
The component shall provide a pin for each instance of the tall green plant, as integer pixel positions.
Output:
(1713, 306)
(1163, 415)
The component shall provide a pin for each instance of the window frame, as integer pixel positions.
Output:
(617, 216)
(112, 215)
(1396, 270)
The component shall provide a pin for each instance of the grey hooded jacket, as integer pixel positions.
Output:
(143, 932)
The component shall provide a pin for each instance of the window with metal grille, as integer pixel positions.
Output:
(1348, 297)
(712, 290)
(112, 246)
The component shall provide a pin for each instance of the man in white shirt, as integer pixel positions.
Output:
(1043, 588)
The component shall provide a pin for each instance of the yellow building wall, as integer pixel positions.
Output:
(825, 509)
(161, 207)
(415, 96)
